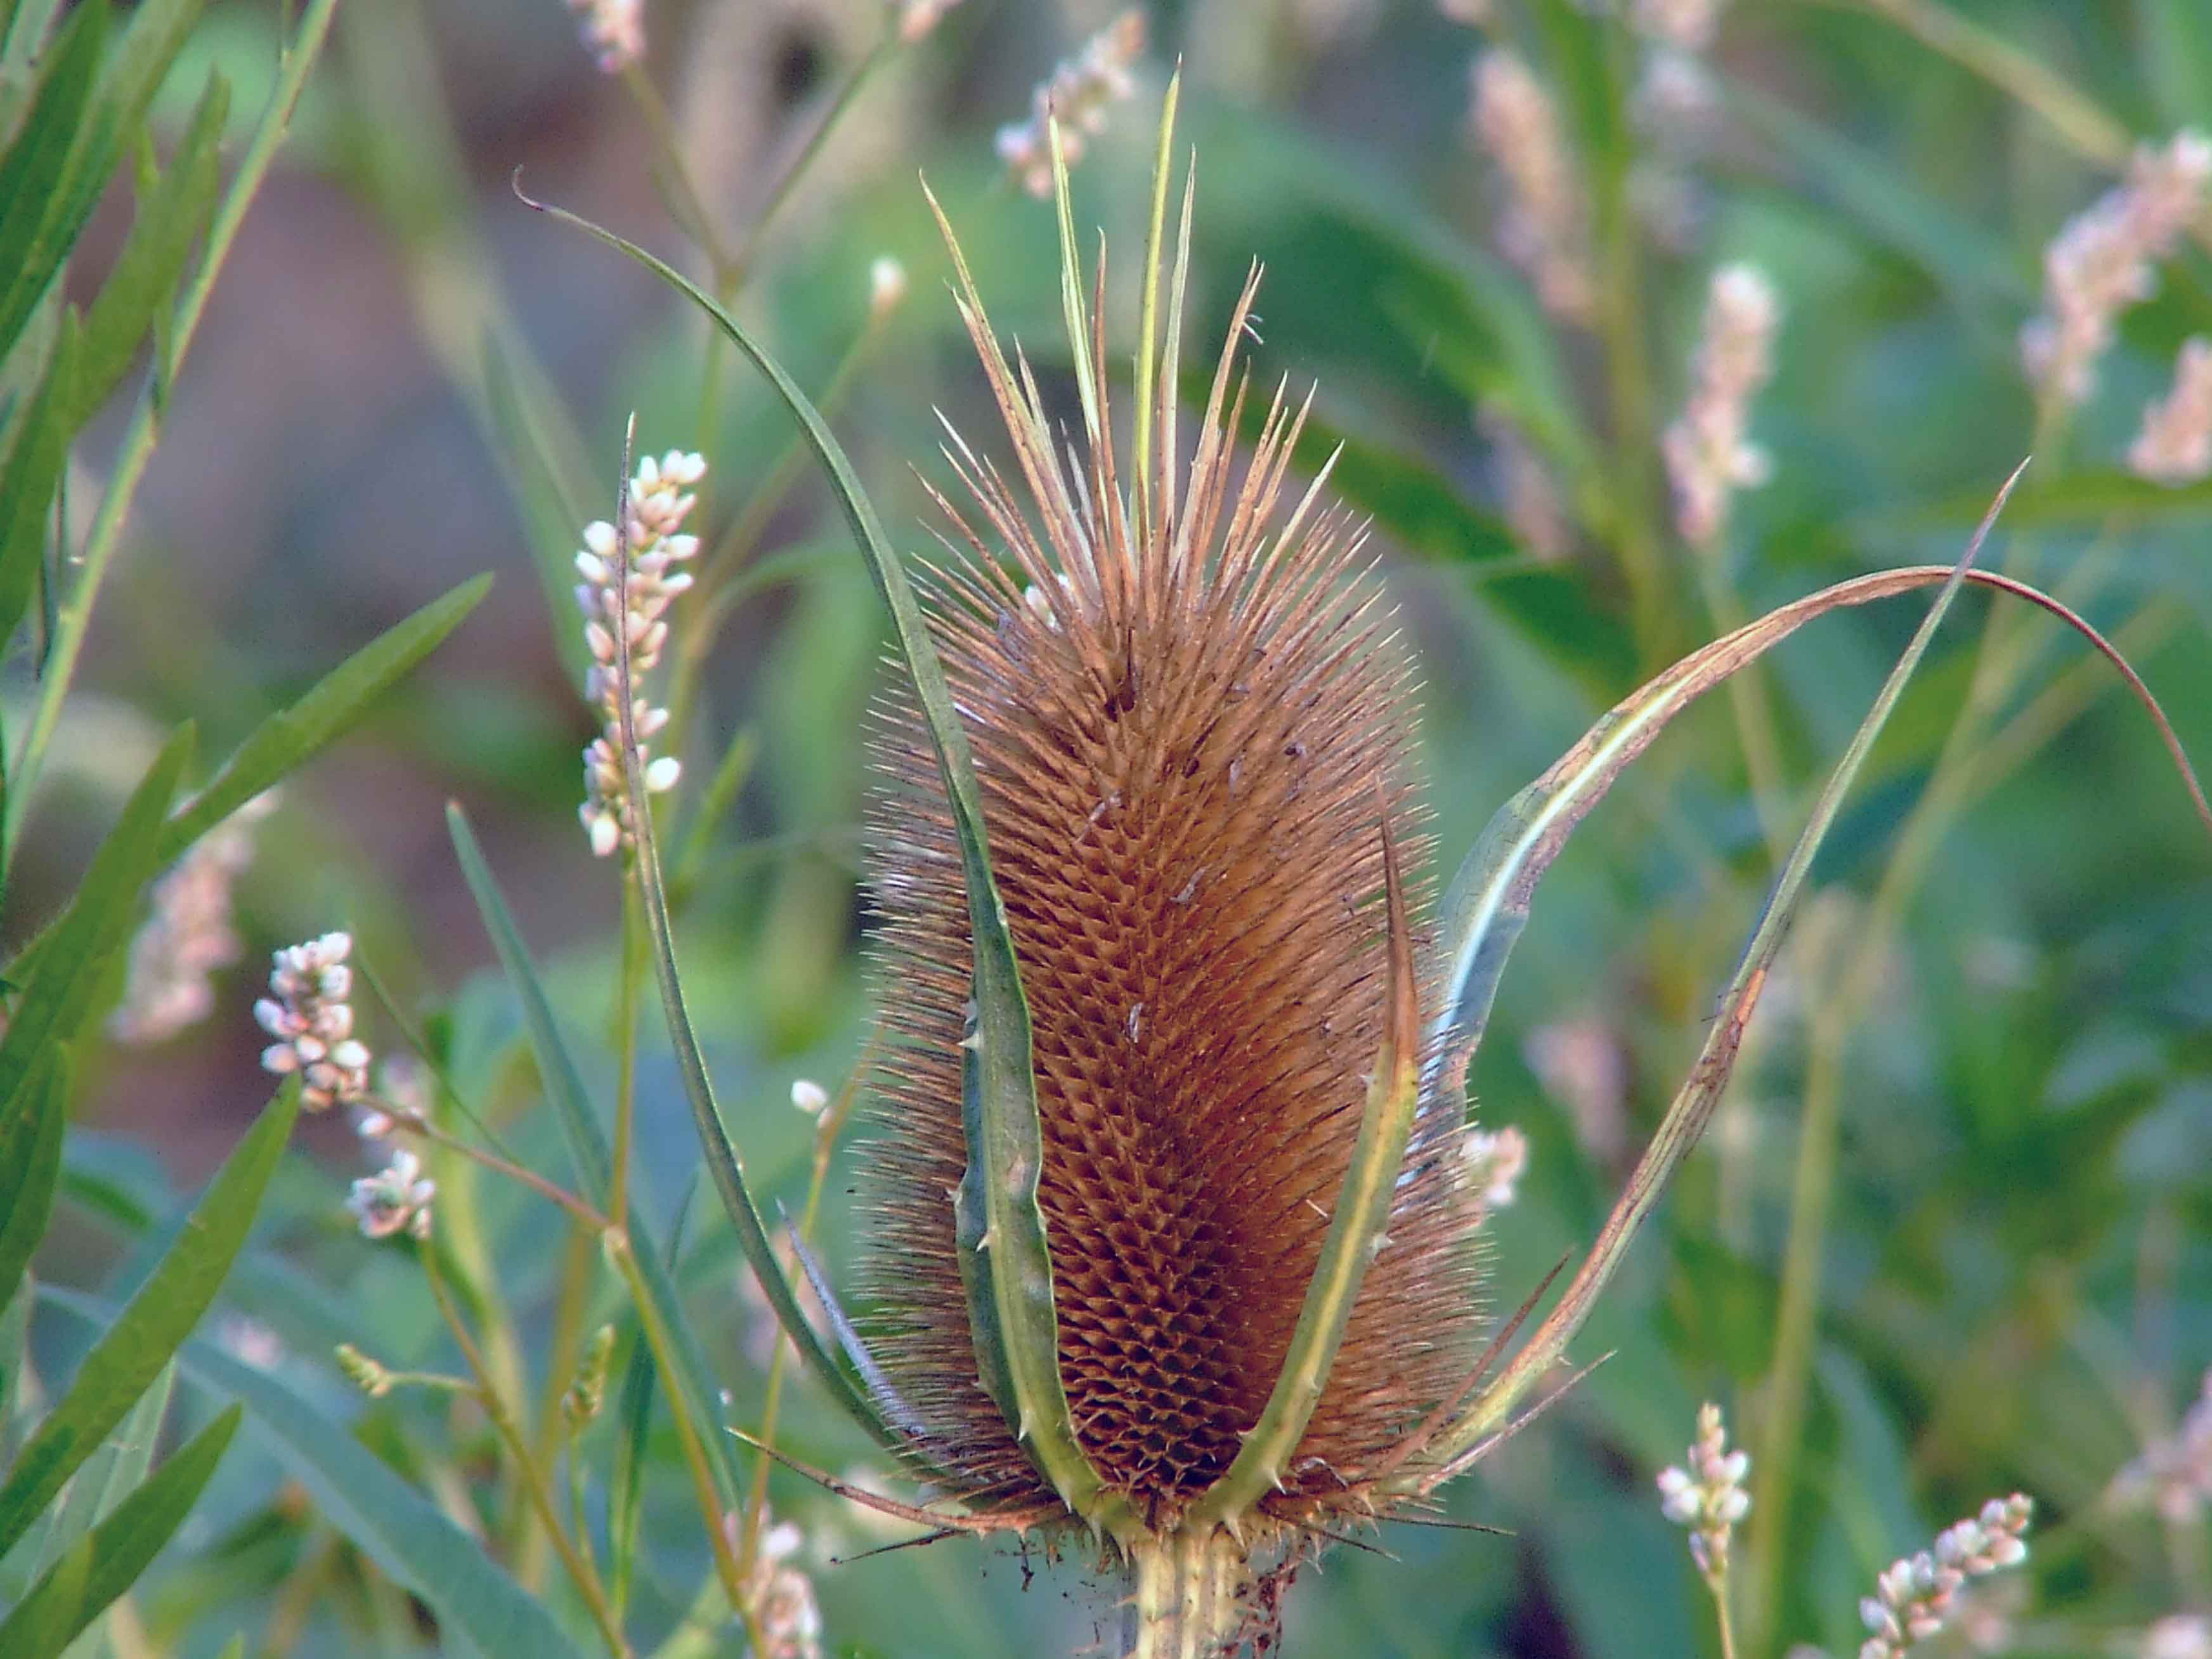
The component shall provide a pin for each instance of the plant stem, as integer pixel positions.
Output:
(685, 204)
(694, 1449)
(728, 555)
(1188, 1598)
(580, 1571)
(631, 977)
(415, 1124)
(74, 616)
(825, 1141)
(1717, 1583)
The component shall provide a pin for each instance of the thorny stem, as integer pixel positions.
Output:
(581, 1572)
(297, 58)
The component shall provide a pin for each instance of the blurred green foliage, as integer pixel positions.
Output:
(2010, 1212)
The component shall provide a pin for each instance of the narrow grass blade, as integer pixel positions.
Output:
(1009, 1151)
(30, 1163)
(564, 1084)
(588, 1142)
(1357, 1233)
(109, 1558)
(403, 1532)
(1693, 1105)
(147, 272)
(149, 1329)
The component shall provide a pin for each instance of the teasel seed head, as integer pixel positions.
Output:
(1189, 717)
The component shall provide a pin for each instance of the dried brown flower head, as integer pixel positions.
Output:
(1191, 726)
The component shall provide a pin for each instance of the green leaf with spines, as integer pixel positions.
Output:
(1357, 1232)
(148, 1330)
(403, 1532)
(110, 1559)
(58, 992)
(31, 1125)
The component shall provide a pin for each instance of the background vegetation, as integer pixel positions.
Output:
(1952, 1233)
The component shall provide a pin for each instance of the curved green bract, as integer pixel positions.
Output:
(1490, 901)
(1015, 1324)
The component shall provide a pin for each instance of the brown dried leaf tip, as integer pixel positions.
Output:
(1188, 709)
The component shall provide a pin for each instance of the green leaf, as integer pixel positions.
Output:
(33, 467)
(109, 1559)
(31, 1126)
(588, 1142)
(37, 194)
(722, 1160)
(148, 1330)
(157, 33)
(117, 1466)
(398, 1528)
(171, 218)
(326, 713)
(59, 992)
